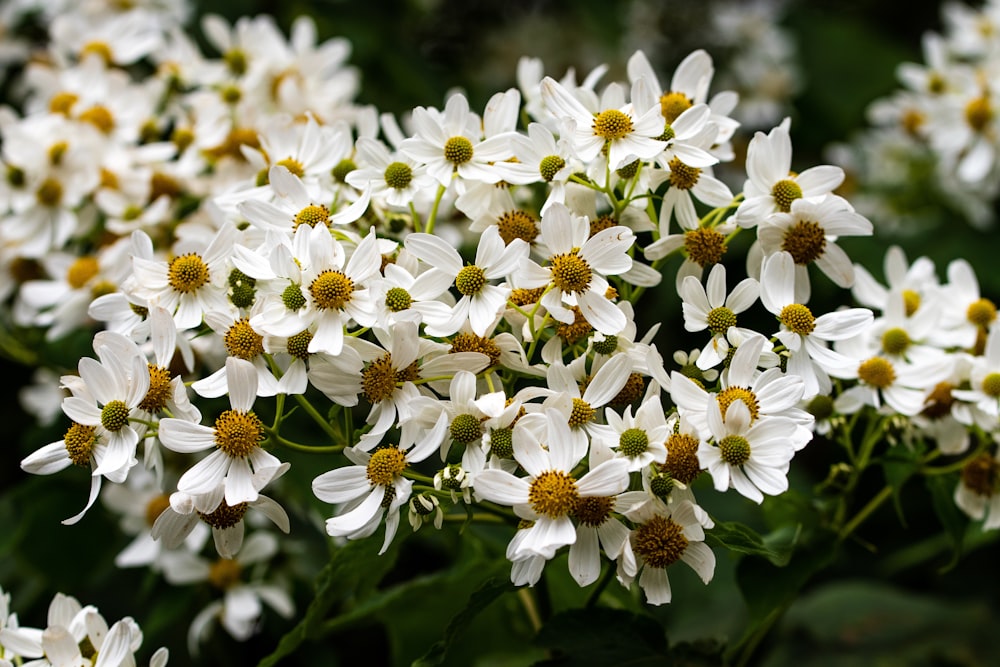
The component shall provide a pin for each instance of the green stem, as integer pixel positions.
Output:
(432, 217)
(317, 417)
(865, 512)
(310, 449)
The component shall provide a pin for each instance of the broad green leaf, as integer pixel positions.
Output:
(740, 538)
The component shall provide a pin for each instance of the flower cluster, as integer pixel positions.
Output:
(935, 139)
(74, 635)
(446, 307)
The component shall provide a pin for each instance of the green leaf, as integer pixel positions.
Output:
(942, 488)
(600, 636)
(353, 572)
(776, 547)
(482, 597)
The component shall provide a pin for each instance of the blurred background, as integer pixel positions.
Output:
(893, 597)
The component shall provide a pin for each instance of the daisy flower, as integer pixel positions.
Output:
(448, 144)
(899, 385)
(394, 179)
(663, 535)
(709, 307)
(374, 486)
(190, 283)
(808, 232)
(577, 264)
(983, 393)
(753, 459)
(771, 187)
(550, 492)
(480, 302)
(978, 491)
(238, 462)
(639, 439)
(629, 133)
(803, 335)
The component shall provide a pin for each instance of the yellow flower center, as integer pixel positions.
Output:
(224, 573)
(553, 494)
(155, 507)
(726, 397)
(517, 224)
(298, 345)
(292, 165)
(704, 247)
(242, 341)
(470, 280)
(581, 412)
(331, 290)
(311, 216)
(805, 241)
(895, 341)
(159, 390)
(100, 49)
(81, 271)
(720, 319)
(385, 465)
(798, 318)
(570, 272)
(784, 193)
(550, 166)
(100, 117)
(458, 150)
(187, 273)
(877, 372)
(114, 415)
(62, 103)
(398, 175)
(593, 510)
(991, 385)
(612, 124)
(50, 192)
(979, 113)
(982, 313)
(660, 542)
(633, 442)
(682, 458)
(982, 475)
(225, 516)
(237, 433)
(682, 176)
(80, 441)
(911, 301)
(470, 342)
(466, 428)
(673, 104)
(734, 450)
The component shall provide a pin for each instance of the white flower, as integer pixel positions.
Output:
(481, 302)
(550, 492)
(977, 494)
(374, 486)
(394, 179)
(803, 335)
(576, 269)
(665, 534)
(641, 440)
(710, 308)
(238, 462)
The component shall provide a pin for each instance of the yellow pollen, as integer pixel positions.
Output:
(187, 273)
(612, 124)
(155, 507)
(553, 494)
(517, 224)
(292, 165)
(911, 301)
(161, 185)
(570, 272)
(80, 441)
(784, 193)
(805, 241)
(979, 113)
(602, 222)
(720, 319)
(182, 138)
(458, 150)
(982, 313)
(225, 516)
(938, 403)
(682, 176)
(593, 510)
(578, 330)
(682, 458)
(581, 412)
(877, 372)
(100, 117)
(704, 247)
(160, 390)
(311, 216)
(109, 180)
(470, 342)
(81, 271)
(522, 297)
(673, 104)
(633, 390)
(100, 49)
(470, 280)
(911, 121)
(62, 103)
(378, 379)
(660, 542)
(385, 465)
(798, 318)
(224, 573)
(237, 433)
(466, 428)
(236, 61)
(726, 397)
(242, 341)
(331, 290)
(50, 192)
(102, 287)
(982, 475)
